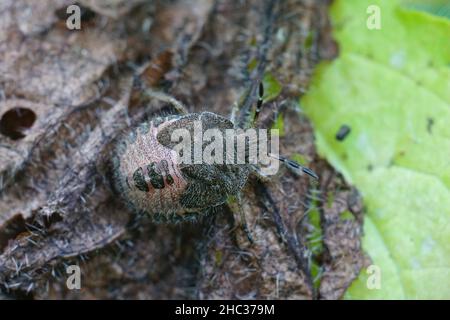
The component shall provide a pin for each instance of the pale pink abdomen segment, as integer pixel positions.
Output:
(152, 179)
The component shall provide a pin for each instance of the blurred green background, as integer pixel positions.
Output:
(391, 85)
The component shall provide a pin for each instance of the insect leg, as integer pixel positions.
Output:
(161, 96)
(260, 175)
(243, 221)
(259, 103)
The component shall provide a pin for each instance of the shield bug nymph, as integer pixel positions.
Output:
(151, 178)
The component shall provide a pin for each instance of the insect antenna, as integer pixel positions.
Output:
(289, 163)
(260, 102)
(296, 166)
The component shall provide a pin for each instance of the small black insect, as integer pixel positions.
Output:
(343, 132)
(430, 124)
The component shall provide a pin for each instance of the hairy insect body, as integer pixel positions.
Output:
(151, 178)
(155, 180)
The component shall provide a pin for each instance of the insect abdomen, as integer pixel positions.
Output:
(149, 178)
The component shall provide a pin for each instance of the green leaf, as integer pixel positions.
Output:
(272, 88)
(392, 88)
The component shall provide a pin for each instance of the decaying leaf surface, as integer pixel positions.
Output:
(391, 87)
(82, 89)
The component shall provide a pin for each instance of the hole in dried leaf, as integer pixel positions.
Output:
(15, 122)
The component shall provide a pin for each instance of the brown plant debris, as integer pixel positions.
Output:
(65, 96)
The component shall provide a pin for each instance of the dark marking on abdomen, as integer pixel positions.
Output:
(156, 179)
(139, 180)
(169, 179)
